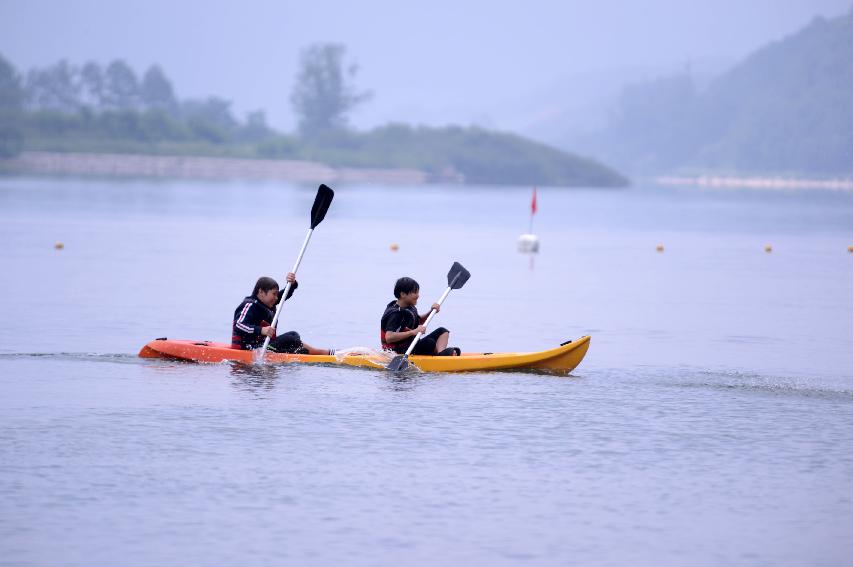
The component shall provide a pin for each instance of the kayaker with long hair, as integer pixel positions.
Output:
(253, 316)
(401, 322)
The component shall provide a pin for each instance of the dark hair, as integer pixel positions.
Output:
(405, 285)
(264, 284)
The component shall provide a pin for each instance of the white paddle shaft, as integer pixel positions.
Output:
(287, 289)
(428, 319)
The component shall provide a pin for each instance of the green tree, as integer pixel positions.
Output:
(209, 119)
(54, 88)
(92, 85)
(121, 87)
(324, 94)
(256, 129)
(159, 125)
(11, 109)
(157, 91)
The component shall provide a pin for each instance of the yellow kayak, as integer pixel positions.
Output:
(563, 358)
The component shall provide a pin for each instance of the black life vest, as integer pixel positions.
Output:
(397, 319)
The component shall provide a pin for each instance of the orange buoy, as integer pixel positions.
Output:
(394, 247)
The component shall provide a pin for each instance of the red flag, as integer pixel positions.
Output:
(533, 203)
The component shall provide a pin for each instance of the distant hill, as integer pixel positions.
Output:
(473, 155)
(785, 109)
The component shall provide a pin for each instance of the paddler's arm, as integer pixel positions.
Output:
(423, 317)
(397, 336)
(291, 277)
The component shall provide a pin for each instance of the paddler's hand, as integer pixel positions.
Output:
(437, 307)
(420, 329)
(291, 277)
(268, 332)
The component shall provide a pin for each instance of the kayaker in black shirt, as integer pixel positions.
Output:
(253, 316)
(401, 322)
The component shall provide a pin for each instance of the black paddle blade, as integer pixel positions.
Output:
(321, 205)
(400, 362)
(457, 276)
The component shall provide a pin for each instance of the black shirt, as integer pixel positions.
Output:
(397, 319)
(250, 317)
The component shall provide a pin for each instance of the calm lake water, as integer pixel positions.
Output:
(711, 422)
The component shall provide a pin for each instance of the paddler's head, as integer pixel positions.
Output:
(407, 291)
(266, 290)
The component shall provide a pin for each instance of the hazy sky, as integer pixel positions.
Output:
(431, 62)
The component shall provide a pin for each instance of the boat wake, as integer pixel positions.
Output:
(120, 358)
(810, 386)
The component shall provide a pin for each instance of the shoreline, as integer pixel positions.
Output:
(755, 182)
(201, 167)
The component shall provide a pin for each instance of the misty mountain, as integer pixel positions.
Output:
(571, 108)
(785, 109)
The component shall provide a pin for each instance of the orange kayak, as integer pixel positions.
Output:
(563, 358)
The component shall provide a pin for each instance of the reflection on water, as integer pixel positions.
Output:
(255, 375)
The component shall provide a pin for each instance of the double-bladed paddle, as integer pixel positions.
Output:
(456, 278)
(318, 213)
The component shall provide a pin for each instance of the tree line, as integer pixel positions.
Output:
(84, 104)
(95, 108)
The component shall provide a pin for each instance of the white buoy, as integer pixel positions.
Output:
(528, 243)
